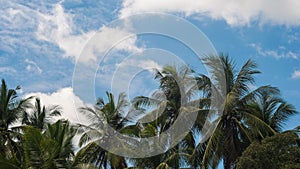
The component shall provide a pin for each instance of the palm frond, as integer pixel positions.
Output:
(245, 77)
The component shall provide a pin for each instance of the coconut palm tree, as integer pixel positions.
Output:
(177, 94)
(10, 109)
(236, 126)
(101, 114)
(62, 133)
(50, 149)
(272, 109)
(39, 116)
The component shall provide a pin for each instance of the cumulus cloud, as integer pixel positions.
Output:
(65, 98)
(69, 102)
(232, 11)
(296, 74)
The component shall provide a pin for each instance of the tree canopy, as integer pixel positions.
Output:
(280, 151)
(247, 131)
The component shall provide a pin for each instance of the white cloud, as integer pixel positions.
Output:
(109, 38)
(296, 74)
(48, 22)
(279, 53)
(59, 28)
(282, 12)
(65, 98)
(69, 102)
(148, 65)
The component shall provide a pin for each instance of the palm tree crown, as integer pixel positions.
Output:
(238, 124)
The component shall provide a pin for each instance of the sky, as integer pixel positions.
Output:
(47, 47)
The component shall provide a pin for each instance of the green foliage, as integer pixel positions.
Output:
(10, 109)
(250, 117)
(51, 149)
(39, 116)
(280, 151)
(111, 113)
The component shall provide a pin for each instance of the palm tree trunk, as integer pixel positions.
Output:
(229, 142)
(177, 160)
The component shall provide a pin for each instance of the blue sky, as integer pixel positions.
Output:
(41, 42)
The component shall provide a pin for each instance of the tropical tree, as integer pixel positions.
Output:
(237, 124)
(177, 92)
(110, 113)
(279, 151)
(50, 149)
(39, 116)
(10, 109)
(229, 116)
(272, 109)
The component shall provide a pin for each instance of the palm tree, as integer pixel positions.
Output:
(101, 114)
(40, 116)
(177, 92)
(272, 109)
(50, 149)
(236, 126)
(62, 133)
(10, 109)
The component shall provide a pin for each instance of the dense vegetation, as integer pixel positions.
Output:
(279, 151)
(253, 118)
